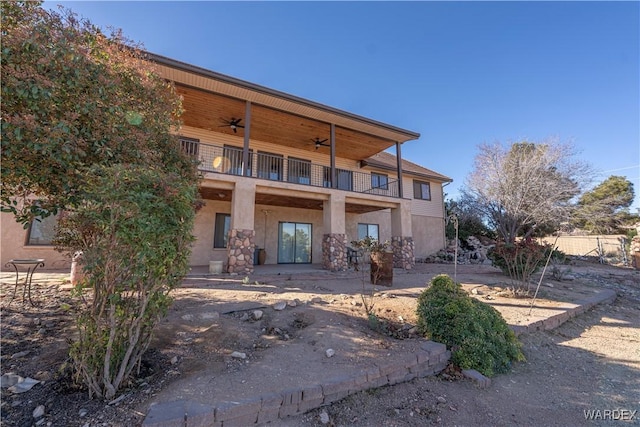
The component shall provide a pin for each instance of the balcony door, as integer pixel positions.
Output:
(294, 243)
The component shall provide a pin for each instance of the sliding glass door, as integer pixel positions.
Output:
(294, 243)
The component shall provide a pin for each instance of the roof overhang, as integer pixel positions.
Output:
(300, 119)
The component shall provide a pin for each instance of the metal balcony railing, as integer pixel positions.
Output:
(277, 167)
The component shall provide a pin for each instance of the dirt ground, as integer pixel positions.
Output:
(590, 366)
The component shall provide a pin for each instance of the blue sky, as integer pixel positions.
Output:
(459, 73)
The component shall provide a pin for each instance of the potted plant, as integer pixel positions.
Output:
(381, 260)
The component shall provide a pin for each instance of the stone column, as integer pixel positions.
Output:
(241, 247)
(403, 252)
(334, 240)
(241, 243)
(402, 237)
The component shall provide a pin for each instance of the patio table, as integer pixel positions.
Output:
(31, 265)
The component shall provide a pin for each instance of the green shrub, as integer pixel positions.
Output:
(477, 335)
(519, 260)
(134, 230)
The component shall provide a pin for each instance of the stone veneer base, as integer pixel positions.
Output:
(240, 249)
(334, 252)
(403, 252)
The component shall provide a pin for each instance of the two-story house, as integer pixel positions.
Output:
(285, 179)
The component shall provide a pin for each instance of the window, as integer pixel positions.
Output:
(190, 145)
(370, 230)
(221, 231)
(270, 166)
(326, 177)
(345, 178)
(421, 190)
(41, 231)
(234, 155)
(299, 170)
(379, 181)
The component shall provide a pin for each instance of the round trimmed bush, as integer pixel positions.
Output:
(476, 333)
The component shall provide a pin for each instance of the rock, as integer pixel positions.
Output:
(19, 354)
(212, 315)
(40, 422)
(9, 379)
(245, 316)
(441, 399)
(174, 360)
(324, 417)
(38, 412)
(23, 385)
(42, 331)
(238, 355)
(292, 304)
(83, 412)
(279, 306)
(330, 352)
(257, 314)
(474, 291)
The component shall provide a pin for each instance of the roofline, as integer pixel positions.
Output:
(378, 165)
(275, 93)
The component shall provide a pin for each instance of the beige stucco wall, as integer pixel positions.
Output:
(203, 251)
(13, 246)
(428, 235)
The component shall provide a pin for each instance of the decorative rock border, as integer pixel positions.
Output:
(604, 296)
(240, 248)
(334, 252)
(430, 359)
(403, 252)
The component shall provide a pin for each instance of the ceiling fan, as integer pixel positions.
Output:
(320, 142)
(233, 124)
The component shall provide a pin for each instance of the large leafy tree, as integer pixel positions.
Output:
(87, 127)
(73, 97)
(605, 208)
(525, 187)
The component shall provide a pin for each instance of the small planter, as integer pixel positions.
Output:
(382, 268)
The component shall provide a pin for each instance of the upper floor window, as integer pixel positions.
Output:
(42, 231)
(421, 190)
(190, 145)
(270, 166)
(234, 156)
(379, 181)
(299, 171)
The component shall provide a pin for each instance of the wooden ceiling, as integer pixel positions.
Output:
(211, 111)
(208, 193)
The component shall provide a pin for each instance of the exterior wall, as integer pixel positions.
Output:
(13, 245)
(428, 235)
(203, 251)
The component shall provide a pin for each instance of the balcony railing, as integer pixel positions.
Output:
(276, 167)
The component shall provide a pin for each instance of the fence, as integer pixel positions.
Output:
(603, 247)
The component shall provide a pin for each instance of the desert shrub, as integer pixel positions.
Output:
(520, 260)
(134, 230)
(477, 335)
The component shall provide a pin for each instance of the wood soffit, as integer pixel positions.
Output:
(211, 98)
(209, 111)
(285, 201)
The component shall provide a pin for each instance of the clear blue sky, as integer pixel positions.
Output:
(459, 73)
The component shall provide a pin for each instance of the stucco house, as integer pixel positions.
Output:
(286, 177)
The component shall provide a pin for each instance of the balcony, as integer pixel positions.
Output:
(277, 167)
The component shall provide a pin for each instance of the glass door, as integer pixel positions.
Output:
(294, 243)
